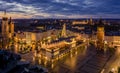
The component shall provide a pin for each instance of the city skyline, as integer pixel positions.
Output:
(61, 8)
(58, 37)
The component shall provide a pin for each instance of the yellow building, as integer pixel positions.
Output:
(113, 41)
(79, 22)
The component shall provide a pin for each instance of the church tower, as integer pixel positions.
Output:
(63, 34)
(5, 27)
(91, 21)
(11, 28)
(5, 31)
(100, 35)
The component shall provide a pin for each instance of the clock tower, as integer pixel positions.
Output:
(100, 35)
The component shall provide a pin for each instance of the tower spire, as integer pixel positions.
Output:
(91, 20)
(5, 12)
(10, 19)
(64, 31)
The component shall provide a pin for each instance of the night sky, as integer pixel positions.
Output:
(61, 8)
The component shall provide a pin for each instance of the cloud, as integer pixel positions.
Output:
(62, 8)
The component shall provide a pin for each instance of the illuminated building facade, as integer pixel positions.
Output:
(50, 43)
(33, 39)
(113, 41)
(79, 22)
(58, 47)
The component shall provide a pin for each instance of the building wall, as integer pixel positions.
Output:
(79, 22)
(113, 40)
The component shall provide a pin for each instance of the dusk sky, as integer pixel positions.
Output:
(61, 8)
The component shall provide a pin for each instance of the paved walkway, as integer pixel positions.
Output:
(113, 63)
(95, 64)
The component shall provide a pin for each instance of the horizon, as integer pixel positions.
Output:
(8, 16)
